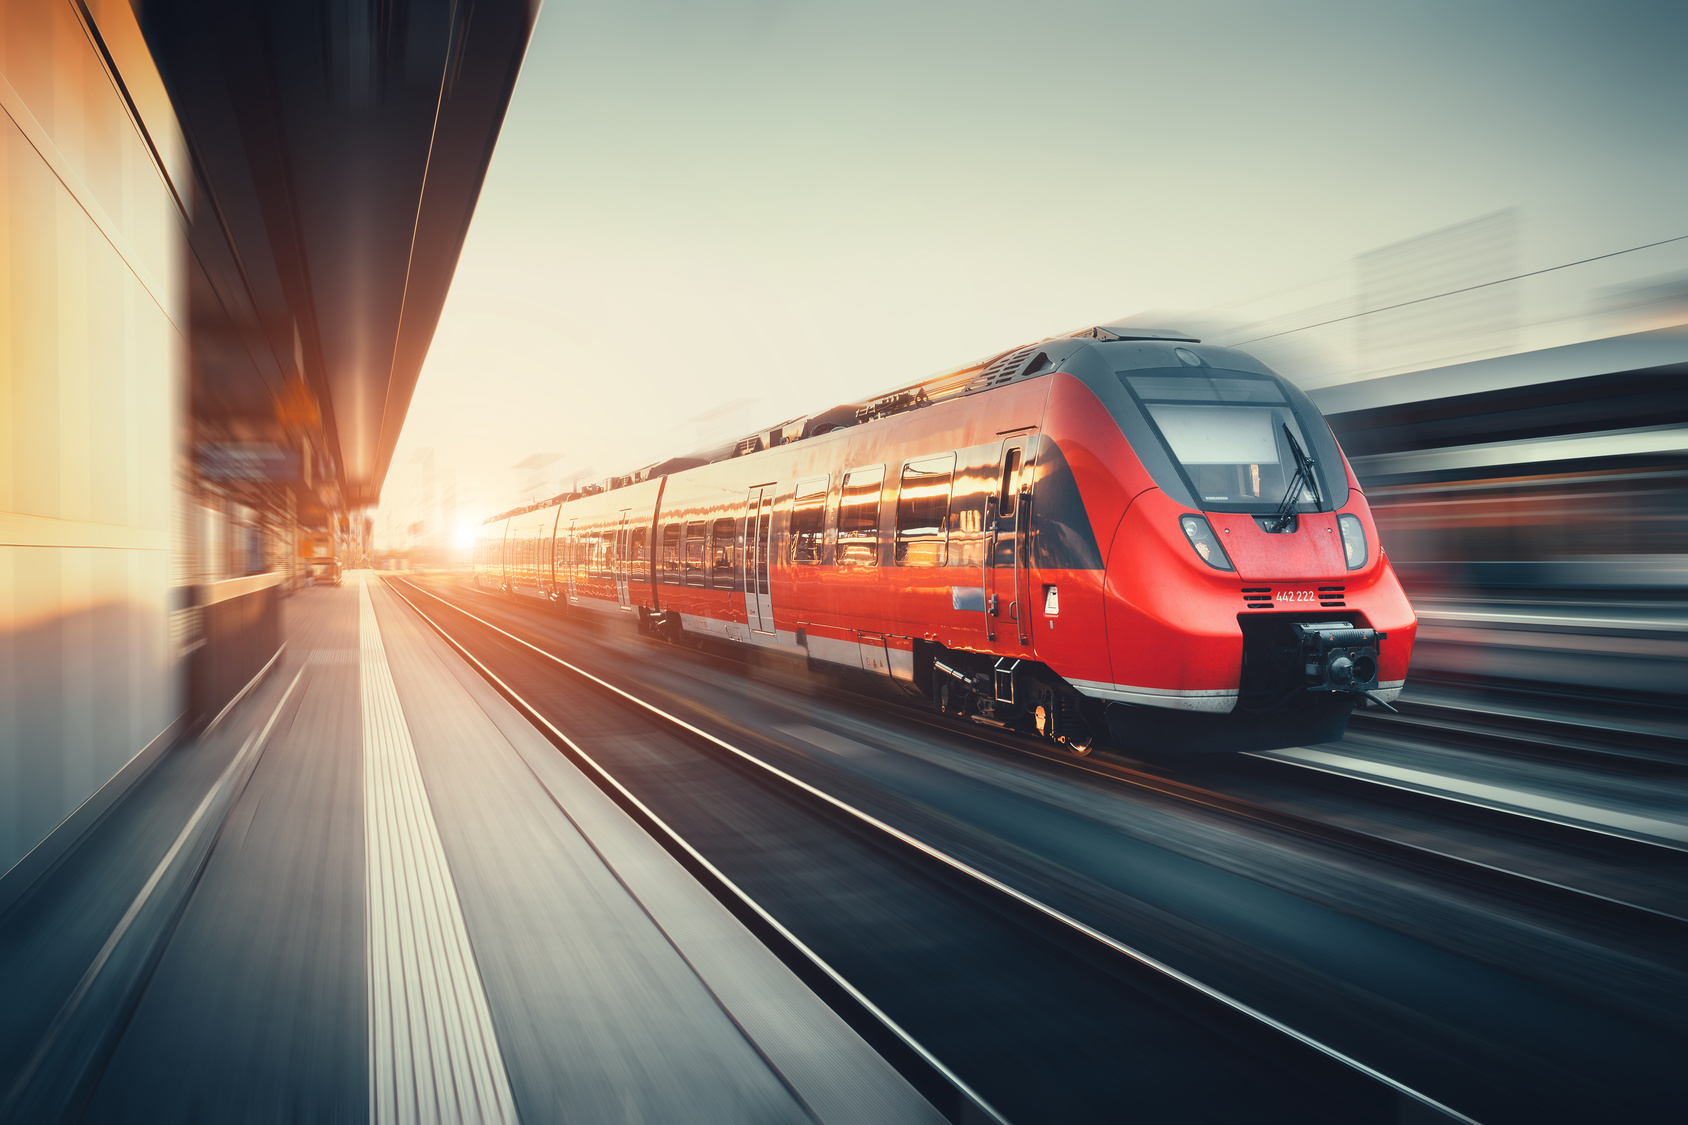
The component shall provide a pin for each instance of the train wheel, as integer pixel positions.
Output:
(1076, 734)
(1080, 744)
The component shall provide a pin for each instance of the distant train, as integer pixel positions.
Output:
(1117, 536)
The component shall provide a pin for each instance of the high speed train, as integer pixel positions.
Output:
(1117, 536)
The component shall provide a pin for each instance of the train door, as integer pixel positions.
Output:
(620, 564)
(504, 549)
(1006, 580)
(573, 557)
(550, 547)
(757, 554)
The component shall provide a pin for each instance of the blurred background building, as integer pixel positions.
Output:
(1434, 298)
(229, 233)
(1535, 506)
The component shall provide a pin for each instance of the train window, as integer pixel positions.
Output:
(858, 517)
(923, 502)
(721, 553)
(637, 551)
(671, 554)
(808, 520)
(1200, 387)
(1010, 496)
(1225, 434)
(695, 573)
(1232, 453)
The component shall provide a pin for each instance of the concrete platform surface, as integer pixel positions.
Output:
(401, 903)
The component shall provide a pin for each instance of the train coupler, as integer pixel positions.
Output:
(1336, 656)
(1289, 663)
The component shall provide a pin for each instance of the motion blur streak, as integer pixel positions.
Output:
(1390, 922)
(433, 1052)
(1536, 506)
(93, 303)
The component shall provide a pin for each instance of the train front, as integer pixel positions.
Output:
(1247, 599)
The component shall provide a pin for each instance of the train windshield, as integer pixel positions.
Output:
(1229, 433)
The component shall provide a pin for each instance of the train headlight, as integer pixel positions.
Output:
(1353, 541)
(1201, 537)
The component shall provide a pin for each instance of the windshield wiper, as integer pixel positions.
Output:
(1285, 517)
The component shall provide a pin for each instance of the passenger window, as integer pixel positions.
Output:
(1010, 497)
(695, 574)
(671, 554)
(808, 520)
(721, 549)
(923, 502)
(858, 517)
(636, 552)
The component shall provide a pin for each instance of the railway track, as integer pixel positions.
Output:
(1501, 801)
(1664, 916)
(1574, 871)
(1601, 740)
(1669, 923)
(1575, 846)
(1272, 1070)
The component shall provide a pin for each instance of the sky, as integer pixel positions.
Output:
(705, 218)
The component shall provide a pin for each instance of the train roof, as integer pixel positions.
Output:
(1001, 369)
(990, 373)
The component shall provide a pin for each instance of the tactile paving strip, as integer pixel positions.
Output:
(433, 1053)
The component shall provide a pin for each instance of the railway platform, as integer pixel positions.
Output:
(373, 890)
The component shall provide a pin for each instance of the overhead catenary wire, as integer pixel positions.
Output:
(1456, 292)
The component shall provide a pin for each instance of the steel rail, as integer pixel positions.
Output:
(696, 858)
(1311, 827)
(1324, 831)
(957, 866)
(1548, 737)
(1433, 796)
(1463, 868)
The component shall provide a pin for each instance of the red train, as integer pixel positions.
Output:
(1119, 535)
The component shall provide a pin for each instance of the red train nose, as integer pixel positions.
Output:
(1312, 550)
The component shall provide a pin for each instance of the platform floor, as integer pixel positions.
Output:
(374, 891)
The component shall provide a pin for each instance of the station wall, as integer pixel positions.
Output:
(92, 353)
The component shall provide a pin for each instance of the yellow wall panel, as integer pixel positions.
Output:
(92, 354)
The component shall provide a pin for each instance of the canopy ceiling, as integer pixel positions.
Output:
(339, 147)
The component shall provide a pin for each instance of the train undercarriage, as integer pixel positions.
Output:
(1300, 681)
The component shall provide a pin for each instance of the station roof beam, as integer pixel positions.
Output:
(339, 149)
